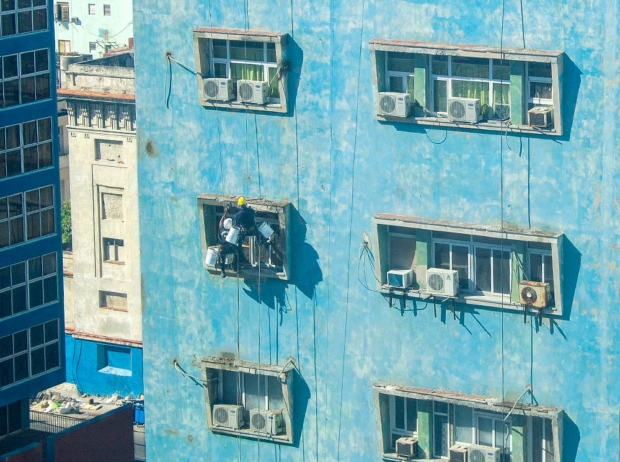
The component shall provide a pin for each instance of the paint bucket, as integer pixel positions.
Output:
(233, 235)
(212, 253)
(265, 230)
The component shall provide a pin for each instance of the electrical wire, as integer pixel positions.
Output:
(197, 380)
(346, 313)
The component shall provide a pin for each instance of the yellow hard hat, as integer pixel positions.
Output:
(241, 201)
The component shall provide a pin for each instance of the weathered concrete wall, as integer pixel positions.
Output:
(339, 166)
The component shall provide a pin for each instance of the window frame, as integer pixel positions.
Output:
(111, 243)
(203, 53)
(28, 352)
(519, 418)
(18, 13)
(24, 214)
(210, 209)
(62, 12)
(107, 9)
(22, 146)
(212, 369)
(428, 233)
(422, 100)
(92, 9)
(20, 77)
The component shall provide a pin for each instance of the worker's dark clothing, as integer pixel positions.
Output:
(244, 219)
(225, 248)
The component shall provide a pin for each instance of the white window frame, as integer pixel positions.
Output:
(92, 9)
(21, 76)
(107, 9)
(203, 53)
(475, 428)
(434, 437)
(404, 76)
(39, 211)
(423, 97)
(493, 249)
(405, 236)
(451, 243)
(15, 12)
(46, 343)
(394, 430)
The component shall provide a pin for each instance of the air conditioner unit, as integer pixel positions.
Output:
(406, 447)
(479, 453)
(458, 453)
(104, 34)
(442, 282)
(540, 116)
(217, 89)
(75, 20)
(501, 111)
(400, 278)
(464, 110)
(228, 415)
(394, 104)
(268, 422)
(252, 91)
(535, 294)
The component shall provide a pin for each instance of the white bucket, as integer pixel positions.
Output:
(212, 253)
(265, 230)
(233, 235)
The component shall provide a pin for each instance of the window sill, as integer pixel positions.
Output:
(115, 371)
(489, 301)
(112, 262)
(491, 125)
(246, 432)
(269, 107)
(114, 308)
(392, 456)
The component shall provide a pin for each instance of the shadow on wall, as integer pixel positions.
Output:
(295, 58)
(302, 395)
(570, 440)
(571, 81)
(306, 271)
(571, 263)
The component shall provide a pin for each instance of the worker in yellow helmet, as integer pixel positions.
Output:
(244, 218)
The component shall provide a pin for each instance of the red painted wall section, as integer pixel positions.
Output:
(105, 439)
(34, 454)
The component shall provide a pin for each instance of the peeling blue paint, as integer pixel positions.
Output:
(339, 166)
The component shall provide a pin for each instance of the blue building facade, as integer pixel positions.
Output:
(31, 309)
(442, 183)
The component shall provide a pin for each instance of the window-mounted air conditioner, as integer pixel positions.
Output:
(406, 447)
(479, 453)
(268, 422)
(458, 453)
(464, 110)
(534, 294)
(217, 89)
(400, 278)
(394, 104)
(228, 415)
(252, 91)
(501, 111)
(540, 116)
(74, 20)
(442, 282)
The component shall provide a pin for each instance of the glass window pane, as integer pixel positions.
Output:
(50, 289)
(536, 269)
(8, 25)
(43, 86)
(52, 359)
(2, 163)
(220, 70)
(12, 137)
(24, 21)
(36, 335)
(470, 89)
(219, 49)
(470, 67)
(21, 367)
(37, 361)
(10, 66)
(6, 346)
(485, 431)
(17, 231)
(19, 299)
(274, 84)
(401, 251)
(462, 425)
(15, 416)
(45, 155)
(4, 210)
(41, 60)
(51, 331)
(15, 205)
(35, 291)
(501, 271)
(440, 428)
(399, 412)
(439, 65)
(32, 200)
(18, 273)
(49, 263)
(11, 93)
(45, 129)
(412, 416)
(483, 269)
(271, 53)
(501, 70)
(27, 62)
(29, 132)
(549, 448)
(24, 4)
(246, 72)
(542, 70)
(501, 93)
(502, 433)
(4, 234)
(8, 5)
(6, 373)
(440, 96)
(33, 223)
(396, 84)
(541, 90)
(13, 162)
(246, 51)
(460, 262)
(47, 197)
(47, 222)
(400, 62)
(2, 134)
(20, 341)
(5, 277)
(31, 159)
(442, 256)
(39, 19)
(441, 407)
(27, 90)
(34, 268)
